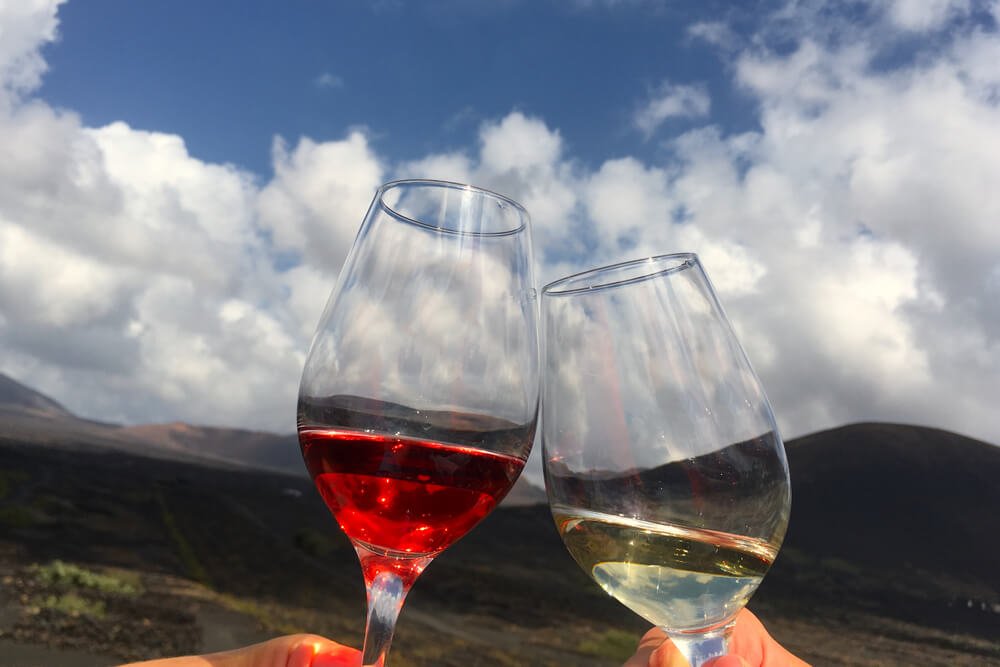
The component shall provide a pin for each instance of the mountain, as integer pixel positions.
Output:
(30, 416)
(252, 448)
(14, 396)
(895, 496)
(892, 519)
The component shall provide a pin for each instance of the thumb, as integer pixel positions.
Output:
(728, 661)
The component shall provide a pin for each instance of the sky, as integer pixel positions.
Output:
(180, 183)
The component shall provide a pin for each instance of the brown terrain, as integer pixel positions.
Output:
(120, 543)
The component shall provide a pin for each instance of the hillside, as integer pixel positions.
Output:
(14, 395)
(894, 497)
(893, 519)
(217, 556)
(29, 416)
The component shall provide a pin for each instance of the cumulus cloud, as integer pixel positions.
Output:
(672, 101)
(521, 157)
(146, 276)
(135, 284)
(519, 143)
(852, 235)
(313, 205)
(23, 26)
(878, 178)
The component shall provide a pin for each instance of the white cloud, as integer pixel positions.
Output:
(519, 143)
(672, 101)
(521, 157)
(328, 81)
(716, 33)
(626, 198)
(24, 25)
(853, 236)
(454, 167)
(67, 289)
(314, 204)
(864, 198)
(121, 259)
(924, 15)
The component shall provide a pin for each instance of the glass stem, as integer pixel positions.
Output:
(386, 593)
(702, 647)
(387, 579)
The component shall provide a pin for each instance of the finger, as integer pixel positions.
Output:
(289, 651)
(749, 638)
(649, 643)
(311, 651)
(667, 655)
(337, 655)
(752, 641)
(656, 650)
(301, 654)
(728, 661)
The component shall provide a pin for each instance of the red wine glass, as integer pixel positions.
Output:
(419, 397)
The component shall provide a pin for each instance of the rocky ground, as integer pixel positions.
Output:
(110, 558)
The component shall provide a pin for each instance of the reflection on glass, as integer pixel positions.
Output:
(665, 472)
(419, 397)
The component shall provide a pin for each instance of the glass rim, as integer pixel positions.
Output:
(568, 285)
(522, 212)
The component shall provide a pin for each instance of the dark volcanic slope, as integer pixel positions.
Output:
(252, 448)
(892, 520)
(893, 534)
(15, 395)
(266, 537)
(893, 496)
(28, 416)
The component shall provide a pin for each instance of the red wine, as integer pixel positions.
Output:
(403, 495)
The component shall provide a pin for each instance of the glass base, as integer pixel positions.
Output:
(700, 647)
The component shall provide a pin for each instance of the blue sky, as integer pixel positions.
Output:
(180, 182)
(228, 76)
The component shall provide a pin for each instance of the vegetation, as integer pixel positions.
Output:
(17, 517)
(74, 605)
(184, 549)
(68, 575)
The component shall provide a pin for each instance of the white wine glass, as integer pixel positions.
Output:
(419, 396)
(664, 469)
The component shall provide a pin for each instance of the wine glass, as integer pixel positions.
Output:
(664, 469)
(419, 398)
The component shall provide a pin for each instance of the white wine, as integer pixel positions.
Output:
(676, 577)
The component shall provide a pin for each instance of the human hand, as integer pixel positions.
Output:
(750, 646)
(288, 651)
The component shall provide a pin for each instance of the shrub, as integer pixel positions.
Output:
(58, 573)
